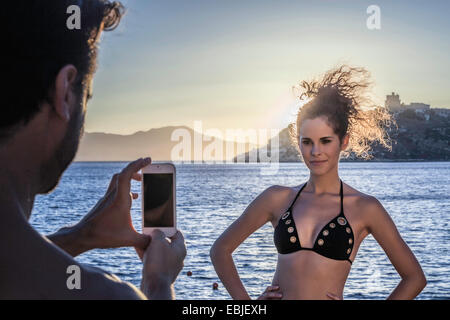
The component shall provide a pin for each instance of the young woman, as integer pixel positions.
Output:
(320, 224)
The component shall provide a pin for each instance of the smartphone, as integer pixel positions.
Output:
(158, 198)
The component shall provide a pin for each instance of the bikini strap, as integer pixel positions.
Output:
(342, 198)
(298, 193)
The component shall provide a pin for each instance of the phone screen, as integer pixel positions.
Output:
(158, 200)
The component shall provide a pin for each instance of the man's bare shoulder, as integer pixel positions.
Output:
(100, 284)
(56, 275)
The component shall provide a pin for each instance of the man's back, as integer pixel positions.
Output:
(34, 268)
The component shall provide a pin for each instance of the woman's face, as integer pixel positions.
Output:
(319, 145)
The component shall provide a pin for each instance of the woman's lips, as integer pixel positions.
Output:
(317, 163)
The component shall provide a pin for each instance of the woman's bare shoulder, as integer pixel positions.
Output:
(280, 193)
(279, 197)
(366, 204)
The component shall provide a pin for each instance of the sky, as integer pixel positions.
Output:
(231, 64)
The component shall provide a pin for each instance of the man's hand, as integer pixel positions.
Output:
(108, 224)
(163, 261)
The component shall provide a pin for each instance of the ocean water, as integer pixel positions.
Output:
(212, 196)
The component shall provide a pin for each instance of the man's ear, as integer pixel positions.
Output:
(63, 95)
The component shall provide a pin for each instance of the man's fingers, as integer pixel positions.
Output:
(127, 173)
(177, 237)
(177, 241)
(112, 183)
(139, 252)
(134, 167)
(136, 176)
(141, 241)
(135, 195)
(158, 235)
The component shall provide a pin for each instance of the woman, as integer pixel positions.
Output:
(319, 225)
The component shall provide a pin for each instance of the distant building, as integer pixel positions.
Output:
(394, 104)
(418, 106)
(442, 112)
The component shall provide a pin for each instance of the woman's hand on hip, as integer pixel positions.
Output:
(271, 293)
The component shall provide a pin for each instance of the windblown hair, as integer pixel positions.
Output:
(340, 96)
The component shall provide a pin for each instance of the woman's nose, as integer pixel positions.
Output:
(315, 150)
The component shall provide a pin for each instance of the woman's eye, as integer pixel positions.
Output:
(305, 142)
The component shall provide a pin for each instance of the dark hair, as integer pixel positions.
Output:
(340, 96)
(37, 43)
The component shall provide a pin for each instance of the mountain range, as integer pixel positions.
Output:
(419, 136)
(171, 143)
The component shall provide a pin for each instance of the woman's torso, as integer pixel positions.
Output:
(306, 274)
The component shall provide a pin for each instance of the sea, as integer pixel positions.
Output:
(210, 197)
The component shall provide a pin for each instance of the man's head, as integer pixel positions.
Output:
(47, 64)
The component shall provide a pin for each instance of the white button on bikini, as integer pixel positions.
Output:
(342, 221)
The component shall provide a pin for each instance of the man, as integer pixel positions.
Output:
(48, 68)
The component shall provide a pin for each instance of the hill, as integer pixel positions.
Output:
(422, 135)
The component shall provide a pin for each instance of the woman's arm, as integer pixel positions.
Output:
(255, 215)
(383, 229)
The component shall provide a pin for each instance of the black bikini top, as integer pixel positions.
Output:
(334, 241)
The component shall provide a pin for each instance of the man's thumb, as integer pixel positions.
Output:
(141, 240)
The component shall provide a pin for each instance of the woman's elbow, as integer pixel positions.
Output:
(422, 281)
(217, 249)
(419, 280)
(214, 251)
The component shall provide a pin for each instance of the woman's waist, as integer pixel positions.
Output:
(310, 277)
(300, 288)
